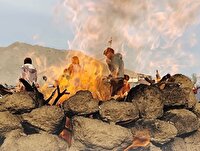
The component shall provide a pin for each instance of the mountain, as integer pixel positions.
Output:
(48, 61)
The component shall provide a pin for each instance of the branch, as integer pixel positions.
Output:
(51, 96)
(59, 95)
(27, 86)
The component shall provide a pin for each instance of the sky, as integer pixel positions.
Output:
(150, 34)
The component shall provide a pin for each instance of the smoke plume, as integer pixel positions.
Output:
(149, 33)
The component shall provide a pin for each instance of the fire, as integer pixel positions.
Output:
(88, 78)
(66, 134)
(141, 139)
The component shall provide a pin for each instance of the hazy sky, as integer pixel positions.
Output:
(32, 21)
(151, 34)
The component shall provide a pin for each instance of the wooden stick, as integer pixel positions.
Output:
(59, 95)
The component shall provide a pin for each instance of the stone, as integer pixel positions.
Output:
(184, 120)
(197, 110)
(17, 103)
(190, 143)
(191, 99)
(50, 119)
(152, 147)
(17, 141)
(193, 141)
(8, 122)
(148, 100)
(174, 95)
(183, 80)
(96, 135)
(81, 103)
(178, 144)
(118, 111)
(161, 132)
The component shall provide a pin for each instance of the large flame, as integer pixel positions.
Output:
(89, 78)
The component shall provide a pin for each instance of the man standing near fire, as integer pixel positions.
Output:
(116, 67)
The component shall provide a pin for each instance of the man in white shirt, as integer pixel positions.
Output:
(28, 73)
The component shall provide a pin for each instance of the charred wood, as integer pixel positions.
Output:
(4, 91)
(27, 86)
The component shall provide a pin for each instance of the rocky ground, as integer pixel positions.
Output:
(164, 117)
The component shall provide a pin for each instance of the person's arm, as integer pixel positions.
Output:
(70, 69)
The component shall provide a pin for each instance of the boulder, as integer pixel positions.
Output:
(17, 141)
(190, 143)
(154, 148)
(95, 135)
(183, 80)
(81, 103)
(184, 120)
(17, 103)
(197, 110)
(118, 111)
(50, 119)
(148, 100)
(178, 144)
(8, 122)
(174, 95)
(193, 141)
(191, 99)
(160, 131)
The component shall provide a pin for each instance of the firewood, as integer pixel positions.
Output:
(27, 86)
(60, 94)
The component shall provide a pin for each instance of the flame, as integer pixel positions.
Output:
(89, 78)
(67, 134)
(141, 139)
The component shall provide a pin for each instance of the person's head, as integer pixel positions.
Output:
(109, 52)
(126, 77)
(27, 60)
(75, 60)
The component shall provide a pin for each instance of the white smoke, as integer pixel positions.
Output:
(147, 32)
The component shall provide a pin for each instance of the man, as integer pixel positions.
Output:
(116, 67)
(28, 73)
(158, 78)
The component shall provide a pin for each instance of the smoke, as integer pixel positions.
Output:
(147, 32)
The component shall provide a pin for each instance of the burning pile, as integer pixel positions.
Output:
(162, 116)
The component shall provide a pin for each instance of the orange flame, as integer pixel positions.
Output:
(89, 78)
(141, 139)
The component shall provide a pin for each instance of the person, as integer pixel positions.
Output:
(158, 78)
(28, 73)
(74, 67)
(116, 66)
(73, 71)
(126, 87)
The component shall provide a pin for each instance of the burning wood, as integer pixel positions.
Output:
(141, 139)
